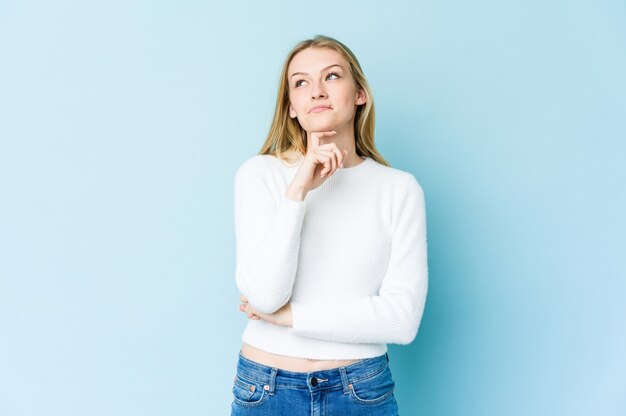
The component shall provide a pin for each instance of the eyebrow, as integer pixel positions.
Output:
(324, 69)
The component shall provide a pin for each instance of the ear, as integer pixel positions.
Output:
(361, 98)
(292, 112)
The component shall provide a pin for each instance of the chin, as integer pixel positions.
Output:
(320, 126)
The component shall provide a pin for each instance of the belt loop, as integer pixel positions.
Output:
(272, 381)
(344, 380)
(387, 356)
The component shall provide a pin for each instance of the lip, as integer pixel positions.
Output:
(319, 108)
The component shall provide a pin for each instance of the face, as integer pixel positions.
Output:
(322, 92)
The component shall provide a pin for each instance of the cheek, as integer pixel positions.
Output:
(344, 94)
(297, 102)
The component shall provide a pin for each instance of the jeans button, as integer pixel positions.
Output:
(313, 381)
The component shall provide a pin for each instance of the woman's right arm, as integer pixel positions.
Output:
(267, 238)
(268, 233)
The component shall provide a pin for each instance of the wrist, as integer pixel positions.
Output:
(288, 316)
(295, 193)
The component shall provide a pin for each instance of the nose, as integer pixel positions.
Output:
(318, 91)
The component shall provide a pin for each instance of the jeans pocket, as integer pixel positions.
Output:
(247, 392)
(374, 389)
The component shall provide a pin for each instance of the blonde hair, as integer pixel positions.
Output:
(287, 137)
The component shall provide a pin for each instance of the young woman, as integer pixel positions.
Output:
(331, 249)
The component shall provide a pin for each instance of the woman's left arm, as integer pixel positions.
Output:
(392, 316)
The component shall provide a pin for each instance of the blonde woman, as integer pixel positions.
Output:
(331, 249)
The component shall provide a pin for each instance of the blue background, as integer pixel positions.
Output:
(122, 124)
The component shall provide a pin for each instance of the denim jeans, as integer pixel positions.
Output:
(364, 388)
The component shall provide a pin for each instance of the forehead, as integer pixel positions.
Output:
(312, 60)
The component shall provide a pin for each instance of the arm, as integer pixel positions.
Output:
(267, 238)
(392, 316)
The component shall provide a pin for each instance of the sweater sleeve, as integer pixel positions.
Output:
(267, 235)
(394, 314)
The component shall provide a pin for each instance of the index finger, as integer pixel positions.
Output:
(317, 135)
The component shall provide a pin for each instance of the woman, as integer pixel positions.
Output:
(331, 248)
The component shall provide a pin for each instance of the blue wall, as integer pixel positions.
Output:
(122, 124)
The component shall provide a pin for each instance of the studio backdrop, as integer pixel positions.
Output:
(122, 124)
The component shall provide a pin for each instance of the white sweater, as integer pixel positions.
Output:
(351, 258)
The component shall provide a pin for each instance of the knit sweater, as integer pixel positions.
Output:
(351, 258)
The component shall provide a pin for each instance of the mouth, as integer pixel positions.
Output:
(319, 109)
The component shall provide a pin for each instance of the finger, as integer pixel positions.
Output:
(243, 299)
(317, 135)
(338, 156)
(341, 154)
(332, 157)
(253, 316)
(249, 310)
(324, 159)
(344, 153)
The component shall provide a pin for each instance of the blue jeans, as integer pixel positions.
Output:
(363, 388)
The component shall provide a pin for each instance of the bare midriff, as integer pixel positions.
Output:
(303, 365)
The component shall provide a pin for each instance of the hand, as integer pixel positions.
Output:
(319, 163)
(281, 317)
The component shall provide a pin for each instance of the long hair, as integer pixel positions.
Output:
(286, 136)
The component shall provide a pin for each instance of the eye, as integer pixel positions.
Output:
(297, 84)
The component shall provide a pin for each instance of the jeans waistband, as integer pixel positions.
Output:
(272, 377)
